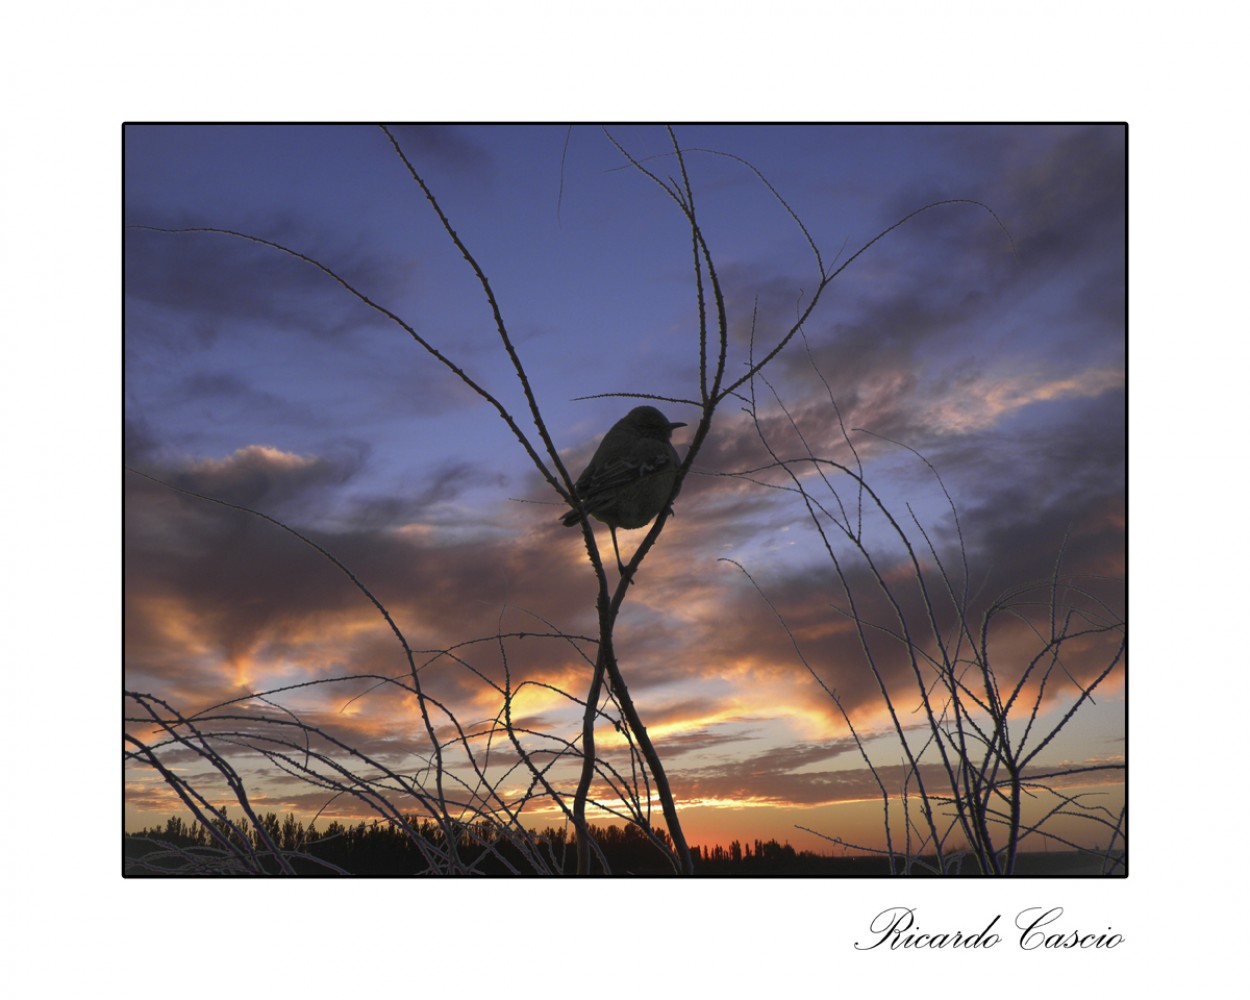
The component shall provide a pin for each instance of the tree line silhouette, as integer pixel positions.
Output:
(286, 846)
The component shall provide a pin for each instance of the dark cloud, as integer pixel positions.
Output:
(1054, 488)
(445, 144)
(139, 440)
(217, 280)
(245, 588)
(443, 484)
(780, 759)
(1069, 202)
(260, 476)
(784, 787)
(936, 309)
(228, 343)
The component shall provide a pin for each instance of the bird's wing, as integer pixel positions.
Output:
(607, 477)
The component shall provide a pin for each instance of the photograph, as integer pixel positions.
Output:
(630, 501)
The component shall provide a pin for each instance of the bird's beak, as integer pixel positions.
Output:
(673, 427)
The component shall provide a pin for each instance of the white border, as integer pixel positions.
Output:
(86, 69)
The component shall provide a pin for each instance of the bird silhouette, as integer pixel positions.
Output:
(631, 474)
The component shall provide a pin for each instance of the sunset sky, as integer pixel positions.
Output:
(991, 344)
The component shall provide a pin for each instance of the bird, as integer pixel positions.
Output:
(631, 474)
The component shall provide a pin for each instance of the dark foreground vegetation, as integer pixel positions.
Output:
(278, 847)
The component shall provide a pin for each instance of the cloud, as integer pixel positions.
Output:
(227, 342)
(206, 580)
(221, 604)
(447, 145)
(784, 787)
(943, 327)
(222, 280)
(252, 597)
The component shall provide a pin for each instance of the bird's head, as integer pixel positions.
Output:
(650, 422)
